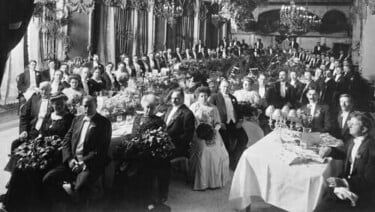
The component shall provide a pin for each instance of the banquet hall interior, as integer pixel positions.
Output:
(187, 105)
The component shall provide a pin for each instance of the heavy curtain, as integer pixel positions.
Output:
(106, 38)
(142, 33)
(124, 22)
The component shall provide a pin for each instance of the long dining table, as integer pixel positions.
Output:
(261, 172)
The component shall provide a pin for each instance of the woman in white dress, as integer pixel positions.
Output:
(209, 162)
(247, 94)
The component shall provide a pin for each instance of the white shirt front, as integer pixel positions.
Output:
(312, 109)
(51, 73)
(262, 92)
(282, 89)
(42, 113)
(229, 108)
(344, 116)
(82, 137)
(357, 143)
(171, 114)
(32, 79)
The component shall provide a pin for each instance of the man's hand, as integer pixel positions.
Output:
(23, 135)
(223, 126)
(79, 167)
(239, 123)
(325, 151)
(335, 182)
(72, 163)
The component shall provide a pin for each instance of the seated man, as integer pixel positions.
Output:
(321, 121)
(84, 154)
(354, 189)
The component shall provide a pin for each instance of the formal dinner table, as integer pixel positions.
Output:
(261, 172)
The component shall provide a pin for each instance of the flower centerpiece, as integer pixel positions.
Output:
(124, 103)
(37, 154)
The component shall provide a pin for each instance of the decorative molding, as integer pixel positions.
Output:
(81, 6)
(116, 3)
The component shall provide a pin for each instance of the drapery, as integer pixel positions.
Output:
(159, 33)
(106, 38)
(142, 32)
(187, 32)
(124, 22)
(14, 66)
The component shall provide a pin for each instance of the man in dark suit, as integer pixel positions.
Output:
(327, 90)
(297, 87)
(308, 83)
(29, 78)
(318, 48)
(354, 189)
(320, 114)
(84, 155)
(294, 44)
(50, 72)
(32, 115)
(180, 125)
(231, 130)
(342, 128)
(282, 92)
(178, 55)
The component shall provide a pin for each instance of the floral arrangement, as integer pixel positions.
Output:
(153, 143)
(206, 133)
(38, 153)
(124, 103)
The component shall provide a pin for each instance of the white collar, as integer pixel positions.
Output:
(358, 140)
(55, 117)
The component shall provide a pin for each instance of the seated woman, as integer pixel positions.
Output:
(95, 83)
(209, 158)
(24, 188)
(74, 93)
(150, 180)
(247, 94)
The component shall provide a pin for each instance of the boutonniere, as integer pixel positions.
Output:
(358, 156)
(317, 112)
(92, 126)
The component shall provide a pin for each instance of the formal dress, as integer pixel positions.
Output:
(75, 96)
(209, 163)
(95, 87)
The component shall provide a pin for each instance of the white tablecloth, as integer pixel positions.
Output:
(260, 172)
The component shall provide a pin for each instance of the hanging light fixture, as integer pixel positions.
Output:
(296, 19)
(169, 10)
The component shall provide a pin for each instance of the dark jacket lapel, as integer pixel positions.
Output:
(360, 152)
(175, 115)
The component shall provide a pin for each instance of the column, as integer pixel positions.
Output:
(135, 29)
(111, 36)
(151, 26)
(196, 21)
(60, 45)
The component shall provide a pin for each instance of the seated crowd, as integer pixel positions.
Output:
(328, 90)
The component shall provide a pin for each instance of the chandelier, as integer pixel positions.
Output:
(296, 19)
(169, 10)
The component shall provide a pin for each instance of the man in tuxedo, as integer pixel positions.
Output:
(327, 90)
(180, 125)
(231, 131)
(297, 87)
(30, 78)
(320, 114)
(178, 55)
(346, 106)
(308, 83)
(318, 48)
(294, 44)
(50, 72)
(282, 92)
(84, 155)
(354, 189)
(33, 113)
